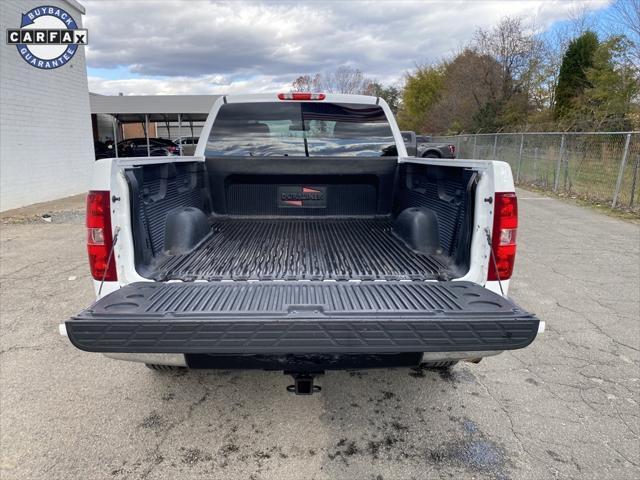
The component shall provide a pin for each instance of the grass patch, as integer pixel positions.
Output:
(605, 208)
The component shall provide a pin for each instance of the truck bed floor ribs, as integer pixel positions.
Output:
(301, 249)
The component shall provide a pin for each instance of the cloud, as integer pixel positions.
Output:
(204, 84)
(201, 47)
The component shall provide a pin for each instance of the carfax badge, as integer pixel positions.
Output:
(48, 37)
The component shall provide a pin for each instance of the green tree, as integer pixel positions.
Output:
(486, 118)
(614, 83)
(471, 82)
(572, 80)
(421, 91)
(488, 85)
(390, 94)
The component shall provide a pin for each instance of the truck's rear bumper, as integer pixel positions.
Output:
(302, 317)
(301, 336)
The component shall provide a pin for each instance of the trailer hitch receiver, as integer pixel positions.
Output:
(303, 383)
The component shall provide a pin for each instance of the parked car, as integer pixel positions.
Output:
(424, 146)
(427, 148)
(137, 147)
(168, 144)
(188, 144)
(187, 140)
(301, 237)
(103, 150)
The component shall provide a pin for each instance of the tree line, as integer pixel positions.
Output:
(510, 78)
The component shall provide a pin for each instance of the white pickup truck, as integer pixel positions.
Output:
(300, 237)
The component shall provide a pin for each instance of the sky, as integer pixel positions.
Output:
(203, 47)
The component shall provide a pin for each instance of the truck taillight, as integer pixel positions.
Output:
(301, 96)
(452, 150)
(503, 240)
(99, 239)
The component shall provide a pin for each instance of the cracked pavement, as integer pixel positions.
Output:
(566, 407)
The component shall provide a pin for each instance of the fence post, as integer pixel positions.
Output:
(520, 158)
(565, 176)
(495, 146)
(621, 172)
(635, 179)
(458, 145)
(556, 180)
(475, 141)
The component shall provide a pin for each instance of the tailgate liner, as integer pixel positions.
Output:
(302, 249)
(301, 317)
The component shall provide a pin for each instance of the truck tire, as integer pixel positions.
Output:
(164, 368)
(438, 365)
(431, 155)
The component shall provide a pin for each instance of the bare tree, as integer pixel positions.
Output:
(346, 80)
(341, 80)
(580, 20)
(513, 48)
(306, 83)
(626, 13)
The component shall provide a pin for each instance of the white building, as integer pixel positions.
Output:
(46, 142)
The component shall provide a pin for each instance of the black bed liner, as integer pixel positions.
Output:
(302, 317)
(302, 249)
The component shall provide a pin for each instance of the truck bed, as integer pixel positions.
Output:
(302, 249)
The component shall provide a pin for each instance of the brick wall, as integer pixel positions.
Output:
(46, 145)
(136, 130)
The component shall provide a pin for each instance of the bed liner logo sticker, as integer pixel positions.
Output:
(48, 37)
(299, 196)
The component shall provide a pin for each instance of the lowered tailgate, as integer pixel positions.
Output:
(301, 317)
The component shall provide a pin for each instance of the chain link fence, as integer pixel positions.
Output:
(601, 167)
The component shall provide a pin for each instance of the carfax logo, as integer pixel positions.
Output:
(48, 37)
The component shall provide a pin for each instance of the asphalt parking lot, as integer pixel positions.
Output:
(566, 407)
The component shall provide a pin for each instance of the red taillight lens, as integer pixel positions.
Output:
(301, 96)
(452, 149)
(503, 240)
(99, 239)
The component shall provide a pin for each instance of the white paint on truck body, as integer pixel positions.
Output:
(494, 176)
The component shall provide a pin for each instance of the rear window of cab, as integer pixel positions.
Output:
(300, 129)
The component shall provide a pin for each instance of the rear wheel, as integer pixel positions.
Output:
(431, 155)
(164, 368)
(438, 365)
